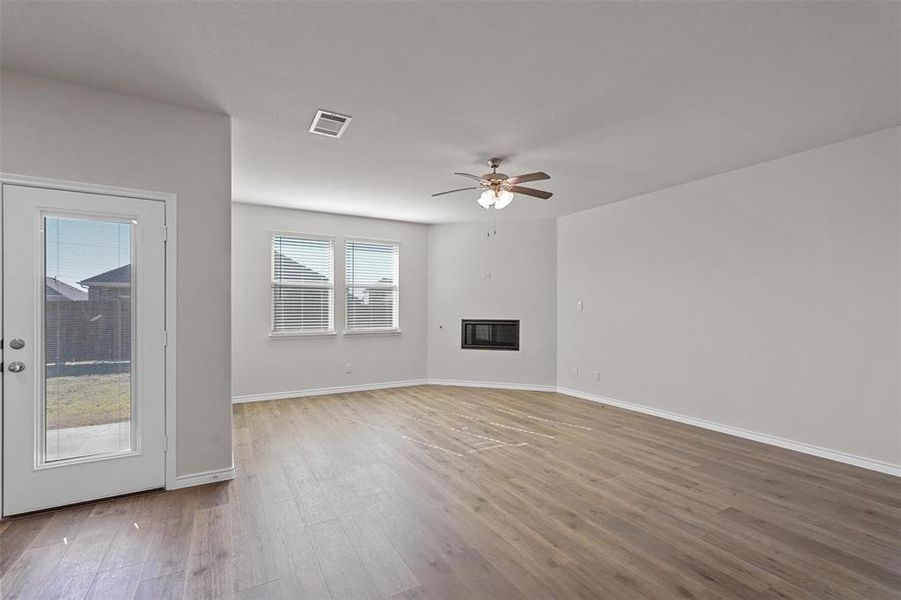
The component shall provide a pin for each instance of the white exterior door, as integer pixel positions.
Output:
(83, 346)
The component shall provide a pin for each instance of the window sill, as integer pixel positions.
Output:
(301, 334)
(372, 332)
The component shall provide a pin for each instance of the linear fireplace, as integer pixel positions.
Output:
(490, 334)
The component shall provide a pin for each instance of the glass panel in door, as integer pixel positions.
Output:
(89, 333)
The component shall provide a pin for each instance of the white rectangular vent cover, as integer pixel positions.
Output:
(329, 123)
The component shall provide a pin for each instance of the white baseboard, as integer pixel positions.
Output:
(183, 481)
(323, 391)
(842, 457)
(529, 387)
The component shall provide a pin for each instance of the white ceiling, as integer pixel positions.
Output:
(611, 99)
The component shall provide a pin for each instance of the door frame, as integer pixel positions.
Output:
(169, 200)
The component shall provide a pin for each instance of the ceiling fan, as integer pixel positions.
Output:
(499, 189)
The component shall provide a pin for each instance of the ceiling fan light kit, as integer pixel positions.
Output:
(499, 199)
(498, 189)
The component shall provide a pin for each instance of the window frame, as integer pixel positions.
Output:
(395, 329)
(290, 333)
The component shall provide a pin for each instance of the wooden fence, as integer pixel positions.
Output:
(92, 331)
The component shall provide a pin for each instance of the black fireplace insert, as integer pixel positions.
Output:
(490, 334)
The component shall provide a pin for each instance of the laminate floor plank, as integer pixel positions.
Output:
(29, 574)
(254, 558)
(63, 526)
(297, 567)
(133, 539)
(210, 565)
(446, 492)
(170, 543)
(342, 570)
(271, 590)
(118, 583)
(18, 536)
(165, 587)
(74, 573)
(387, 570)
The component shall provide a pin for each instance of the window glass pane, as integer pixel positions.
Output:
(297, 260)
(88, 337)
(369, 308)
(371, 271)
(301, 308)
(302, 284)
(369, 263)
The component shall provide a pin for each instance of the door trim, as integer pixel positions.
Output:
(169, 200)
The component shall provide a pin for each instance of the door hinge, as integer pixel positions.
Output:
(165, 443)
(165, 338)
(165, 233)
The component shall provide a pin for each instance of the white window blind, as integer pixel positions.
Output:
(302, 284)
(371, 296)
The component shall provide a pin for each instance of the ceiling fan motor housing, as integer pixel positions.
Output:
(494, 178)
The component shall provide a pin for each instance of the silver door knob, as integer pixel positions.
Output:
(17, 343)
(16, 367)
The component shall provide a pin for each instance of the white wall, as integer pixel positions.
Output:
(265, 365)
(766, 298)
(521, 262)
(441, 268)
(72, 132)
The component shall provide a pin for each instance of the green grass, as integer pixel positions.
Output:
(88, 400)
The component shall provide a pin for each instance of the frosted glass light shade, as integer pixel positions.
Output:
(503, 199)
(486, 199)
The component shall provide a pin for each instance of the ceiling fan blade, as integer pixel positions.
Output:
(456, 190)
(476, 177)
(528, 177)
(517, 189)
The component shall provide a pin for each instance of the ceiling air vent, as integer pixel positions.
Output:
(329, 123)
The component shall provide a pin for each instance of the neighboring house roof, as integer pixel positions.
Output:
(295, 270)
(118, 277)
(61, 291)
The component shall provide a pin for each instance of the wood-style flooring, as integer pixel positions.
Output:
(439, 492)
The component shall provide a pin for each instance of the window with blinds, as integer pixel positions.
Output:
(371, 270)
(302, 284)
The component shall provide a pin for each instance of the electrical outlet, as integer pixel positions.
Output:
(597, 375)
(579, 305)
(486, 275)
(348, 368)
(576, 371)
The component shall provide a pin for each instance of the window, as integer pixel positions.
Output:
(302, 285)
(372, 293)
